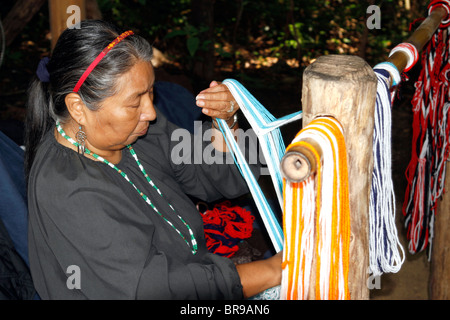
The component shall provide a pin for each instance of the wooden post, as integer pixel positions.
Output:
(440, 256)
(59, 15)
(345, 87)
(297, 166)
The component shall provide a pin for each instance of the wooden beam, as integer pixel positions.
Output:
(420, 37)
(345, 87)
(21, 13)
(59, 16)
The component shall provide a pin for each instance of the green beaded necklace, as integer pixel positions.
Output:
(144, 196)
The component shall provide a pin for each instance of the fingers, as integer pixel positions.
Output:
(220, 109)
(215, 87)
(217, 101)
(217, 106)
(213, 84)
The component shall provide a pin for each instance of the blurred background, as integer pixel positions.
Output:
(260, 43)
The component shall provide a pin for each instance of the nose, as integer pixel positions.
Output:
(148, 109)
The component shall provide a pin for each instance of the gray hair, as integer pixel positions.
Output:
(75, 50)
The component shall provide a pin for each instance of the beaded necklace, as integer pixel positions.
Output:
(144, 196)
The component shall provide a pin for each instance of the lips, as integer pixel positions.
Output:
(143, 131)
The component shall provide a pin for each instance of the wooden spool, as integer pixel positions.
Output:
(299, 162)
(345, 87)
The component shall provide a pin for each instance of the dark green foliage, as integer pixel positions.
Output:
(247, 34)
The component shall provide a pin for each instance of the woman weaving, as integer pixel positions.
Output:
(103, 193)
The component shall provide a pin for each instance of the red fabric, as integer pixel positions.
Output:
(225, 226)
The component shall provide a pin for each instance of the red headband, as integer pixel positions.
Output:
(99, 58)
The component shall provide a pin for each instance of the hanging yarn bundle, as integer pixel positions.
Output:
(385, 250)
(316, 220)
(431, 134)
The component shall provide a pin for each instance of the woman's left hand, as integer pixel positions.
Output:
(217, 101)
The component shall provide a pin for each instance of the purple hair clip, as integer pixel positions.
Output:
(42, 71)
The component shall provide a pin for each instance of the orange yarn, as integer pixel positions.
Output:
(295, 215)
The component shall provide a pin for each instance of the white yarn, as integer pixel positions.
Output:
(446, 7)
(386, 253)
(305, 214)
(412, 56)
(393, 71)
(269, 294)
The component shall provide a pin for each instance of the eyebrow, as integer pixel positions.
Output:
(136, 95)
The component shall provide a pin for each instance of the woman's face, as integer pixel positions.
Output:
(124, 117)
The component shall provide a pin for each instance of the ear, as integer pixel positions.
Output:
(76, 108)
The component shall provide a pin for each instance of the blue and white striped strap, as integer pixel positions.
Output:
(266, 128)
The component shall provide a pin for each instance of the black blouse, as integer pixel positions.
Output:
(92, 236)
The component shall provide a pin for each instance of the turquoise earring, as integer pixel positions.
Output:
(81, 140)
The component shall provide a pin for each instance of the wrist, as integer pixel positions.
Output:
(275, 264)
(231, 122)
